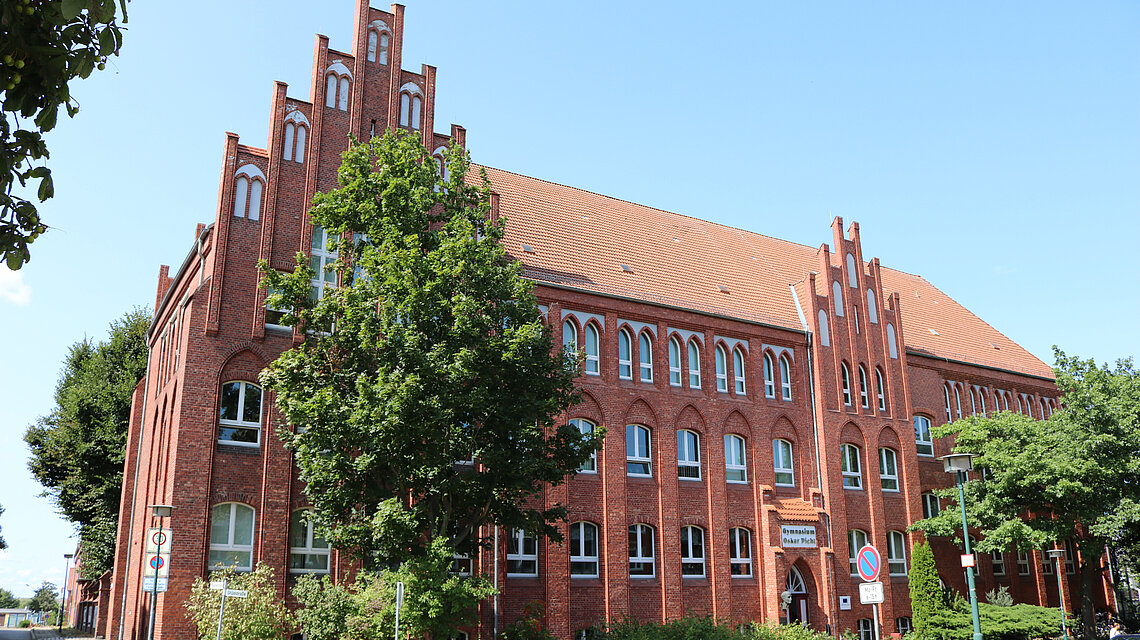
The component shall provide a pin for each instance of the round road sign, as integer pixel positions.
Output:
(156, 562)
(159, 538)
(868, 562)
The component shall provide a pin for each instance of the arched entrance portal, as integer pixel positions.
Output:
(797, 588)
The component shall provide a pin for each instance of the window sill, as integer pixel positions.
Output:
(743, 483)
(689, 479)
(252, 447)
(747, 577)
(523, 576)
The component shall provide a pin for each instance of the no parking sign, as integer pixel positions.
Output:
(868, 562)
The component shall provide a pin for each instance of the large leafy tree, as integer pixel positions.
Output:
(425, 393)
(8, 600)
(1074, 476)
(77, 450)
(44, 45)
(45, 599)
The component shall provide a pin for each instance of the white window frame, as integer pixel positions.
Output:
(517, 555)
(625, 360)
(321, 258)
(694, 365)
(586, 427)
(740, 552)
(785, 377)
(230, 546)
(769, 377)
(645, 356)
(578, 552)
(896, 553)
(735, 459)
(923, 441)
(674, 362)
(569, 335)
(311, 548)
(931, 506)
(864, 397)
(888, 469)
(1070, 553)
(738, 371)
(688, 455)
(692, 551)
(865, 628)
(1048, 565)
(880, 389)
(637, 551)
(904, 625)
(850, 466)
(783, 462)
(240, 424)
(958, 401)
(1022, 562)
(845, 379)
(721, 370)
(591, 347)
(856, 540)
(997, 563)
(946, 392)
(635, 456)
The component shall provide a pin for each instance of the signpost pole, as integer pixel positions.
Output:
(399, 603)
(222, 609)
(875, 620)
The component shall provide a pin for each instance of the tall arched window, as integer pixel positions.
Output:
(872, 309)
(845, 378)
(880, 389)
(641, 559)
(674, 362)
(923, 442)
(735, 459)
(892, 346)
(888, 469)
(958, 402)
(308, 552)
(785, 377)
(863, 399)
(411, 102)
(946, 392)
(321, 261)
(837, 293)
(231, 537)
(338, 81)
(856, 540)
(824, 333)
(852, 272)
(783, 463)
(249, 183)
(692, 552)
(738, 370)
(694, 365)
(583, 550)
(645, 355)
(850, 466)
(569, 336)
(688, 455)
(625, 355)
(592, 359)
(769, 377)
(740, 552)
(239, 416)
(637, 449)
(721, 370)
(296, 130)
(378, 38)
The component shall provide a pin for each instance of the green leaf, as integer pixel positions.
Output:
(106, 42)
(105, 11)
(72, 8)
(47, 189)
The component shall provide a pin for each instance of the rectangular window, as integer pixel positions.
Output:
(692, 552)
(782, 463)
(274, 315)
(849, 460)
(930, 506)
(740, 552)
(896, 553)
(688, 455)
(997, 561)
(641, 563)
(923, 442)
(735, 463)
(583, 550)
(888, 470)
(1047, 564)
(637, 451)
(1022, 563)
(522, 554)
(586, 428)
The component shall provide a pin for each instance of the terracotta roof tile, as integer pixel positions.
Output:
(581, 240)
(795, 509)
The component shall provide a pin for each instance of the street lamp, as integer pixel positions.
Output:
(159, 511)
(960, 463)
(1056, 555)
(63, 598)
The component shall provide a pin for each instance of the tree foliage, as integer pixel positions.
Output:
(926, 595)
(77, 450)
(1074, 476)
(44, 45)
(261, 615)
(3, 545)
(8, 600)
(430, 355)
(45, 599)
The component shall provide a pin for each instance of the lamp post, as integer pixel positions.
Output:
(159, 511)
(1056, 555)
(63, 596)
(959, 464)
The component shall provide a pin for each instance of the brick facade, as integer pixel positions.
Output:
(210, 328)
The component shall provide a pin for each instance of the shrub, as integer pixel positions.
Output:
(261, 615)
(532, 626)
(926, 596)
(1016, 622)
(25, 623)
(999, 597)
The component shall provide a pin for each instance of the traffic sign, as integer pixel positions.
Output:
(868, 562)
(157, 563)
(871, 593)
(148, 584)
(236, 593)
(968, 560)
(154, 536)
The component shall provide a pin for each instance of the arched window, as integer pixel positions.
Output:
(896, 553)
(880, 389)
(330, 90)
(785, 378)
(735, 460)
(411, 101)
(973, 404)
(930, 505)
(923, 441)
(845, 378)
(249, 182)
(625, 355)
(740, 552)
(239, 416)
(308, 552)
(694, 365)
(296, 129)
(674, 362)
(342, 94)
(231, 537)
(645, 354)
(692, 552)
(592, 362)
(641, 562)
(338, 81)
(522, 553)
(837, 293)
(738, 370)
(721, 370)
(824, 333)
(583, 550)
(958, 402)
(378, 39)
(637, 461)
(688, 455)
(946, 392)
(982, 400)
(569, 336)
(892, 346)
(888, 469)
(872, 309)
(586, 428)
(856, 540)
(852, 272)
(863, 399)
(850, 467)
(769, 377)
(783, 463)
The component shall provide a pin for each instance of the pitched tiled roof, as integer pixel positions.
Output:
(795, 509)
(575, 238)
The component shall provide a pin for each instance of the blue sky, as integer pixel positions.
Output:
(993, 148)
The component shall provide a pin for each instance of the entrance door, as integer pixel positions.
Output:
(797, 608)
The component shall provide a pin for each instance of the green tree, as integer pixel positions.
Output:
(926, 597)
(425, 392)
(77, 450)
(1074, 476)
(3, 545)
(43, 46)
(8, 600)
(261, 615)
(45, 599)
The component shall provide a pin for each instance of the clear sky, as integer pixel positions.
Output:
(993, 148)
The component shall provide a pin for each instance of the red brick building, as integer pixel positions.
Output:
(768, 403)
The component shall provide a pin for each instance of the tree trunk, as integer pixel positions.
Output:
(1090, 571)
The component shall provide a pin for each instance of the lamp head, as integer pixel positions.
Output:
(68, 556)
(958, 462)
(161, 510)
(1055, 553)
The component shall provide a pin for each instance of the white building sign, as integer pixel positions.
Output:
(797, 536)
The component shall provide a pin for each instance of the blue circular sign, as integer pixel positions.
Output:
(868, 562)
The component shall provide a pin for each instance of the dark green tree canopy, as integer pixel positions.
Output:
(77, 450)
(430, 355)
(45, 599)
(44, 45)
(8, 600)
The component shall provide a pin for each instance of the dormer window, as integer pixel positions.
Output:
(411, 104)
